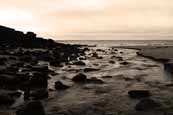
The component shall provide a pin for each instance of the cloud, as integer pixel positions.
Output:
(66, 17)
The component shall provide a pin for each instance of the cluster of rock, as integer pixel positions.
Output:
(20, 68)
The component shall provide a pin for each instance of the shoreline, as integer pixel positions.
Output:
(64, 79)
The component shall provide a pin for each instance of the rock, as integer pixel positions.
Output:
(40, 68)
(139, 93)
(95, 55)
(95, 80)
(107, 76)
(111, 62)
(90, 69)
(124, 63)
(55, 63)
(86, 49)
(25, 58)
(9, 81)
(39, 80)
(81, 63)
(80, 78)
(96, 64)
(99, 57)
(147, 104)
(100, 50)
(61, 86)
(120, 58)
(39, 93)
(2, 69)
(32, 108)
(15, 94)
(5, 99)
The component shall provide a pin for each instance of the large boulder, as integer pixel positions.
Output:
(32, 108)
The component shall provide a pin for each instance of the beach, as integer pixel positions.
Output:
(85, 79)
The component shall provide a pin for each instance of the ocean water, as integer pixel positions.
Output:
(119, 42)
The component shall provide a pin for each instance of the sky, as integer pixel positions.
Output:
(90, 19)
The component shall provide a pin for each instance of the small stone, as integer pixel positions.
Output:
(90, 69)
(61, 86)
(111, 62)
(81, 63)
(80, 78)
(95, 80)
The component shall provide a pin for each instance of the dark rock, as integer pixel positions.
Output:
(95, 80)
(81, 63)
(39, 93)
(55, 63)
(100, 50)
(95, 55)
(32, 108)
(5, 99)
(139, 93)
(96, 64)
(120, 58)
(111, 62)
(12, 58)
(25, 58)
(106, 76)
(9, 81)
(40, 68)
(86, 49)
(2, 69)
(61, 86)
(39, 80)
(30, 35)
(15, 94)
(124, 63)
(99, 57)
(147, 105)
(81, 78)
(90, 69)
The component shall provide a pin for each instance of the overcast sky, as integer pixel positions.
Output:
(91, 19)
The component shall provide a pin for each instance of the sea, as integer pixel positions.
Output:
(120, 42)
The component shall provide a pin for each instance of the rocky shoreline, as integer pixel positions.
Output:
(21, 69)
(42, 77)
